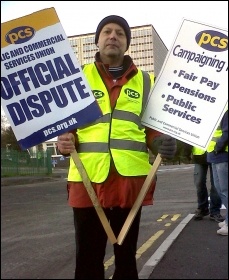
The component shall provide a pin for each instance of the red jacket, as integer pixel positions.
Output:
(117, 190)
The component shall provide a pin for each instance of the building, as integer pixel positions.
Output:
(146, 49)
(51, 146)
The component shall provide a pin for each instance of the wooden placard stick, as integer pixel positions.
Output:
(139, 200)
(94, 198)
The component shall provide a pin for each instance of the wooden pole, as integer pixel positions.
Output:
(94, 198)
(139, 200)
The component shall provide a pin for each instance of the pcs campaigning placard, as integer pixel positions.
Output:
(44, 92)
(191, 92)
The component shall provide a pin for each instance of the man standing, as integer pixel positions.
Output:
(114, 152)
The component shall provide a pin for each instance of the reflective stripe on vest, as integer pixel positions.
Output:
(117, 135)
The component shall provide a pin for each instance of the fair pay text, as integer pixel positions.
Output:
(185, 103)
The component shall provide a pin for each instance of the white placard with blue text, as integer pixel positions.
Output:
(44, 92)
(191, 92)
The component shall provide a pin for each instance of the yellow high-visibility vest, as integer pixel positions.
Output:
(118, 135)
(197, 151)
(217, 134)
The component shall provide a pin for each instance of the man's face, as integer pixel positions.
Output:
(112, 40)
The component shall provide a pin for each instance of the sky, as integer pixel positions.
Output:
(80, 17)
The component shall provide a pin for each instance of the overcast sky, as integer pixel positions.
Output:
(80, 17)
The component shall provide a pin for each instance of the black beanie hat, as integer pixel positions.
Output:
(114, 19)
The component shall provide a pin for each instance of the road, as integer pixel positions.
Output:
(37, 236)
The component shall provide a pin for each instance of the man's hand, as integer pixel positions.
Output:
(165, 145)
(66, 143)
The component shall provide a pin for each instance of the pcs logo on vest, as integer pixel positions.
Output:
(132, 93)
(98, 94)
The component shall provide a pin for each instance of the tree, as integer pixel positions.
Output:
(8, 139)
(4, 123)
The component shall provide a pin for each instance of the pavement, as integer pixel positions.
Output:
(192, 251)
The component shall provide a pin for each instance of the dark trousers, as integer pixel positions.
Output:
(200, 180)
(91, 240)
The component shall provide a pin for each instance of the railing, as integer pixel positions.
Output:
(20, 163)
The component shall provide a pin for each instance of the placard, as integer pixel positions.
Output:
(191, 92)
(44, 92)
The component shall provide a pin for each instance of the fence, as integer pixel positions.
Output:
(15, 163)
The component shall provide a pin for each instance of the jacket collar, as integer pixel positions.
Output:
(129, 68)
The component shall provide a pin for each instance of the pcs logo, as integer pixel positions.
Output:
(20, 35)
(132, 93)
(98, 94)
(212, 40)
